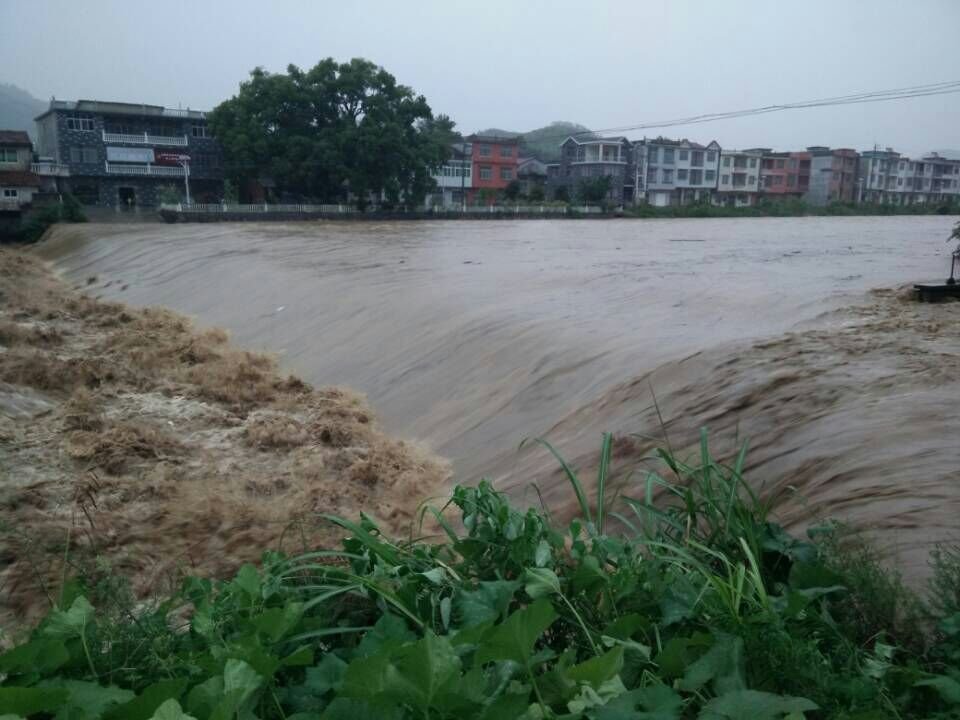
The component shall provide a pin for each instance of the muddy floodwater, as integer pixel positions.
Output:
(471, 336)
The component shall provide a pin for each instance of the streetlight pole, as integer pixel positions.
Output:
(185, 164)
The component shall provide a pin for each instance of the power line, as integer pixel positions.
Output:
(941, 88)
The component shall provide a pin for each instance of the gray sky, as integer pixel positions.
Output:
(519, 65)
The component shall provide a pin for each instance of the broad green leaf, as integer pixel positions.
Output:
(511, 705)
(39, 656)
(421, 670)
(947, 687)
(388, 631)
(69, 623)
(678, 602)
(27, 701)
(327, 675)
(543, 554)
(625, 626)
(590, 697)
(755, 705)
(514, 638)
(303, 655)
(806, 576)
(248, 580)
(598, 670)
(171, 710)
(489, 601)
(445, 608)
(276, 623)
(203, 698)
(588, 576)
(146, 703)
(86, 699)
(655, 702)
(366, 676)
(722, 665)
(239, 675)
(541, 582)
(354, 709)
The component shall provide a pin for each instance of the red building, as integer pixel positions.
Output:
(785, 173)
(494, 161)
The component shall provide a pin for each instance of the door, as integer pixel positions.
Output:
(127, 197)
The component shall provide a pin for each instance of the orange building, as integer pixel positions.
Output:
(494, 164)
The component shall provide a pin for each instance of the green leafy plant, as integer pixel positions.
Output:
(677, 597)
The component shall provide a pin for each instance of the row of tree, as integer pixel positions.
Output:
(334, 132)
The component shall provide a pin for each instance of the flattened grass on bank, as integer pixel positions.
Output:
(699, 606)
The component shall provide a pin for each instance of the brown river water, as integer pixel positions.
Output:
(469, 336)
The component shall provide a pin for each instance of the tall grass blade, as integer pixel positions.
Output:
(571, 476)
(606, 449)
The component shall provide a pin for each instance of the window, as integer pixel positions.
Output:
(696, 177)
(752, 180)
(767, 180)
(75, 156)
(899, 181)
(79, 122)
(506, 151)
(8, 155)
(791, 180)
(681, 175)
(753, 162)
(696, 158)
(668, 156)
(89, 155)
(667, 176)
(901, 165)
(710, 176)
(792, 163)
(684, 154)
(654, 153)
(486, 172)
(506, 173)
(652, 175)
(724, 179)
(711, 156)
(197, 131)
(10, 192)
(780, 164)
(778, 179)
(726, 161)
(485, 151)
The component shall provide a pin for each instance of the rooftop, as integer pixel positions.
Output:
(502, 139)
(15, 137)
(109, 107)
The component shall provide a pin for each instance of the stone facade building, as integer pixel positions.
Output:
(124, 155)
(18, 183)
(585, 159)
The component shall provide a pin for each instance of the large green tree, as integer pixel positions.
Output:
(335, 131)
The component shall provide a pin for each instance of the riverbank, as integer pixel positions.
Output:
(131, 442)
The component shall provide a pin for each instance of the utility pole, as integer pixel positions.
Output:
(185, 164)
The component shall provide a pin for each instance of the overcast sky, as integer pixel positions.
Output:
(519, 65)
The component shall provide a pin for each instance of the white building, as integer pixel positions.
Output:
(887, 177)
(676, 172)
(453, 178)
(738, 184)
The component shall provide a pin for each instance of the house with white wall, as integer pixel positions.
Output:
(676, 172)
(738, 184)
(18, 183)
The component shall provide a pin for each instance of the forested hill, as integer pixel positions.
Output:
(544, 142)
(18, 108)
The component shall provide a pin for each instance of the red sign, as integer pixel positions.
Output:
(170, 158)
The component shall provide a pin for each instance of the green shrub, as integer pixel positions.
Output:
(698, 605)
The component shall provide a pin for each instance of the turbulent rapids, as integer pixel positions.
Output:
(471, 336)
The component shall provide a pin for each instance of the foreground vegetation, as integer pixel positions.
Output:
(692, 603)
(790, 208)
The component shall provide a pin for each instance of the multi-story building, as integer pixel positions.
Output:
(676, 172)
(738, 184)
(832, 175)
(453, 178)
(784, 174)
(18, 183)
(117, 154)
(494, 165)
(531, 174)
(584, 159)
(887, 177)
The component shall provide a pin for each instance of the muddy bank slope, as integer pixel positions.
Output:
(128, 436)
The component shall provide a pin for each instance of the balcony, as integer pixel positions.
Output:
(9, 204)
(48, 169)
(143, 169)
(145, 139)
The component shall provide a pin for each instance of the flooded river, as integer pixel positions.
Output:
(471, 336)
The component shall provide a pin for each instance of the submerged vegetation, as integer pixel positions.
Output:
(690, 603)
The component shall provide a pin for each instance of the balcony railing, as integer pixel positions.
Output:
(9, 204)
(145, 139)
(143, 169)
(50, 169)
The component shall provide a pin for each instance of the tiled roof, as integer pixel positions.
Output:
(15, 178)
(14, 137)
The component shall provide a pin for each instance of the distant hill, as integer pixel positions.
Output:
(543, 143)
(18, 108)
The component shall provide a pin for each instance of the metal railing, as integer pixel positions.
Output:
(49, 168)
(349, 209)
(143, 169)
(145, 139)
